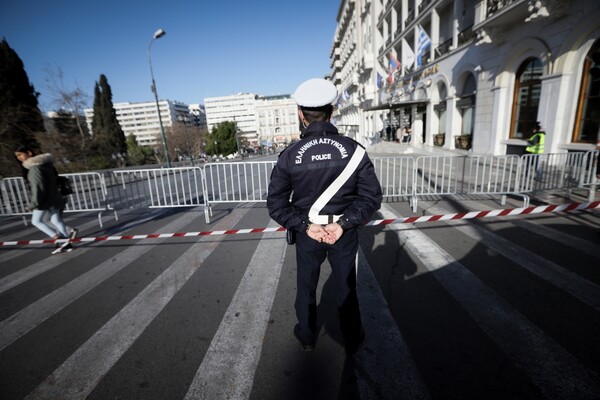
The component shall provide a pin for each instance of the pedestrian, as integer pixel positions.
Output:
(536, 147)
(334, 190)
(398, 134)
(46, 199)
(406, 135)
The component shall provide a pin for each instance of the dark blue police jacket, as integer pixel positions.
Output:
(306, 168)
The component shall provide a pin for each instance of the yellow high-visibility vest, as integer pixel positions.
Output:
(537, 148)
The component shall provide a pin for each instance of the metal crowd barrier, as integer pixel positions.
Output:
(159, 187)
(247, 182)
(497, 175)
(236, 182)
(564, 171)
(15, 197)
(395, 175)
(89, 194)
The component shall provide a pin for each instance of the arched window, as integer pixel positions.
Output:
(587, 120)
(528, 87)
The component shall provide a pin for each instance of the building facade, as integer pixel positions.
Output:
(263, 121)
(198, 114)
(142, 119)
(277, 120)
(240, 108)
(470, 74)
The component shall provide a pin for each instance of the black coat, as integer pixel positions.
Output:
(306, 168)
(42, 182)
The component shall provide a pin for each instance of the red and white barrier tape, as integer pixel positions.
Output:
(406, 220)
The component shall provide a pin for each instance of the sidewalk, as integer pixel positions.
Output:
(390, 149)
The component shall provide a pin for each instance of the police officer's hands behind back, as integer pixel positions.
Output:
(334, 231)
(328, 234)
(316, 232)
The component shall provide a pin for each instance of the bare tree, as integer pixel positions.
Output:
(73, 101)
(185, 140)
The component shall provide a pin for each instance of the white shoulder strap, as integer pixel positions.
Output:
(313, 214)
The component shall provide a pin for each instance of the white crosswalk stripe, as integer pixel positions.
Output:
(570, 282)
(228, 368)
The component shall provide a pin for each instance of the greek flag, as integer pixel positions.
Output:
(423, 44)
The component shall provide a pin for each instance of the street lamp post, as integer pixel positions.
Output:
(158, 34)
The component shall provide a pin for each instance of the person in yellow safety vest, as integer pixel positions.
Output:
(536, 141)
(536, 146)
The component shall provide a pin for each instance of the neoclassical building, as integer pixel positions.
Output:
(470, 73)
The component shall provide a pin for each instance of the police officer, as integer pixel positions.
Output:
(333, 190)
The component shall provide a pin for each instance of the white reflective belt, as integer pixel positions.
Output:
(313, 214)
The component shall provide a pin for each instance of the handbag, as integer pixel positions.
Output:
(290, 236)
(64, 185)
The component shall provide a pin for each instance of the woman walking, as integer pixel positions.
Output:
(45, 196)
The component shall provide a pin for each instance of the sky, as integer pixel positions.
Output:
(211, 47)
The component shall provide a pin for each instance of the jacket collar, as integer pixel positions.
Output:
(37, 160)
(318, 128)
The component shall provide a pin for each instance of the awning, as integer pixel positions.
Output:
(392, 106)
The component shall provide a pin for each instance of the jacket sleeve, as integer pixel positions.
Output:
(279, 200)
(367, 200)
(36, 183)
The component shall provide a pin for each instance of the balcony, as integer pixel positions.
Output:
(410, 18)
(495, 6)
(500, 13)
(443, 48)
(424, 5)
(354, 80)
(367, 63)
(466, 35)
(398, 31)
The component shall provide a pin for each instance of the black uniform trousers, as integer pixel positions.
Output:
(310, 254)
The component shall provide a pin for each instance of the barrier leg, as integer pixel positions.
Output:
(207, 213)
(413, 203)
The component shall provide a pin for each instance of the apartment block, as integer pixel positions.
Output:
(240, 108)
(277, 120)
(262, 120)
(142, 119)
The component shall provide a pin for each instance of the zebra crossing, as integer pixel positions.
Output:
(451, 310)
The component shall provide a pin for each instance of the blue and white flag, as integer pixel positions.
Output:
(423, 44)
(379, 81)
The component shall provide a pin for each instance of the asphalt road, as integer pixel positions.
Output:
(499, 308)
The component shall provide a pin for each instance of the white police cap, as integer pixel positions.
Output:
(316, 92)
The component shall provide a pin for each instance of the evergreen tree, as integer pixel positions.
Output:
(108, 142)
(20, 117)
(136, 154)
(221, 139)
